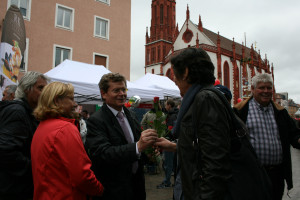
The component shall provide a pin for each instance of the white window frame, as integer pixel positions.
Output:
(107, 28)
(26, 56)
(72, 17)
(62, 47)
(103, 55)
(27, 17)
(103, 1)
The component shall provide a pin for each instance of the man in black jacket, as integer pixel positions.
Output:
(17, 126)
(115, 142)
(271, 132)
(172, 112)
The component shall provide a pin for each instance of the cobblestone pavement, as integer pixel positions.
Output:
(157, 194)
(166, 194)
(295, 192)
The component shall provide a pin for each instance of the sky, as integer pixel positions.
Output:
(272, 24)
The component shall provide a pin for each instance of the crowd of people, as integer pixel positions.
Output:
(48, 151)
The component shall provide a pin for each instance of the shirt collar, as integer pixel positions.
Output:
(67, 119)
(114, 111)
(260, 107)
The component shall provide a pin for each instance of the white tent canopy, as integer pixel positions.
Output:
(159, 82)
(298, 112)
(85, 78)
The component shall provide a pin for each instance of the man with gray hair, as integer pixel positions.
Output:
(271, 132)
(9, 93)
(17, 126)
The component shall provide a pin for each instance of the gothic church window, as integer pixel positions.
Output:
(161, 14)
(226, 75)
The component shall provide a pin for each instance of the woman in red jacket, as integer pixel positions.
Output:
(60, 165)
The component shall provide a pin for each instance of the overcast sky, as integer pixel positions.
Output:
(272, 24)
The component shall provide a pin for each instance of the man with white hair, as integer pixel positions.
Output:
(271, 132)
(17, 126)
(9, 93)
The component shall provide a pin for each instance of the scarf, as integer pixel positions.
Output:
(185, 105)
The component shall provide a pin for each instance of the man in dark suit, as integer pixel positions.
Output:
(114, 143)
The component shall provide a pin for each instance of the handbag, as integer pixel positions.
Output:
(249, 179)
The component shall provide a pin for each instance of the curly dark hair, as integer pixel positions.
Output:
(201, 69)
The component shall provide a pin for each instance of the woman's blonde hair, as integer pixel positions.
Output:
(46, 107)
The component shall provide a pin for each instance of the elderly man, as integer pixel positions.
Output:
(9, 93)
(271, 131)
(115, 142)
(17, 126)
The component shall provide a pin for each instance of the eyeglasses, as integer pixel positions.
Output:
(118, 90)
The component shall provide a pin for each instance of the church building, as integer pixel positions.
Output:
(235, 64)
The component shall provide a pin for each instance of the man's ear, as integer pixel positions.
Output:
(103, 94)
(186, 74)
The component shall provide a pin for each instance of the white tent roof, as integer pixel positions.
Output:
(159, 82)
(85, 78)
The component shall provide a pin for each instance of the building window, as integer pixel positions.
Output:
(101, 27)
(161, 14)
(24, 67)
(226, 77)
(61, 53)
(169, 74)
(237, 80)
(155, 14)
(100, 59)
(158, 53)
(148, 56)
(64, 17)
(104, 1)
(23, 5)
(153, 55)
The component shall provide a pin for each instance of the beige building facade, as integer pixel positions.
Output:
(89, 31)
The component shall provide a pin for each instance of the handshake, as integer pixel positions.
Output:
(149, 138)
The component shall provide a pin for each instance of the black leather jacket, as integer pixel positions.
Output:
(205, 174)
(17, 126)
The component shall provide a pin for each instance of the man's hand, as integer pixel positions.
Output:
(147, 139)
(165, 145)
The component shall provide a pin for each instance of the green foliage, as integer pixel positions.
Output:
(159, 123)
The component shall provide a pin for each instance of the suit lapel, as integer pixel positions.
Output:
(114, 121)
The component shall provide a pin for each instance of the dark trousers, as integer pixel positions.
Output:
(275, 173)
(168, 166)
(138, 183)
